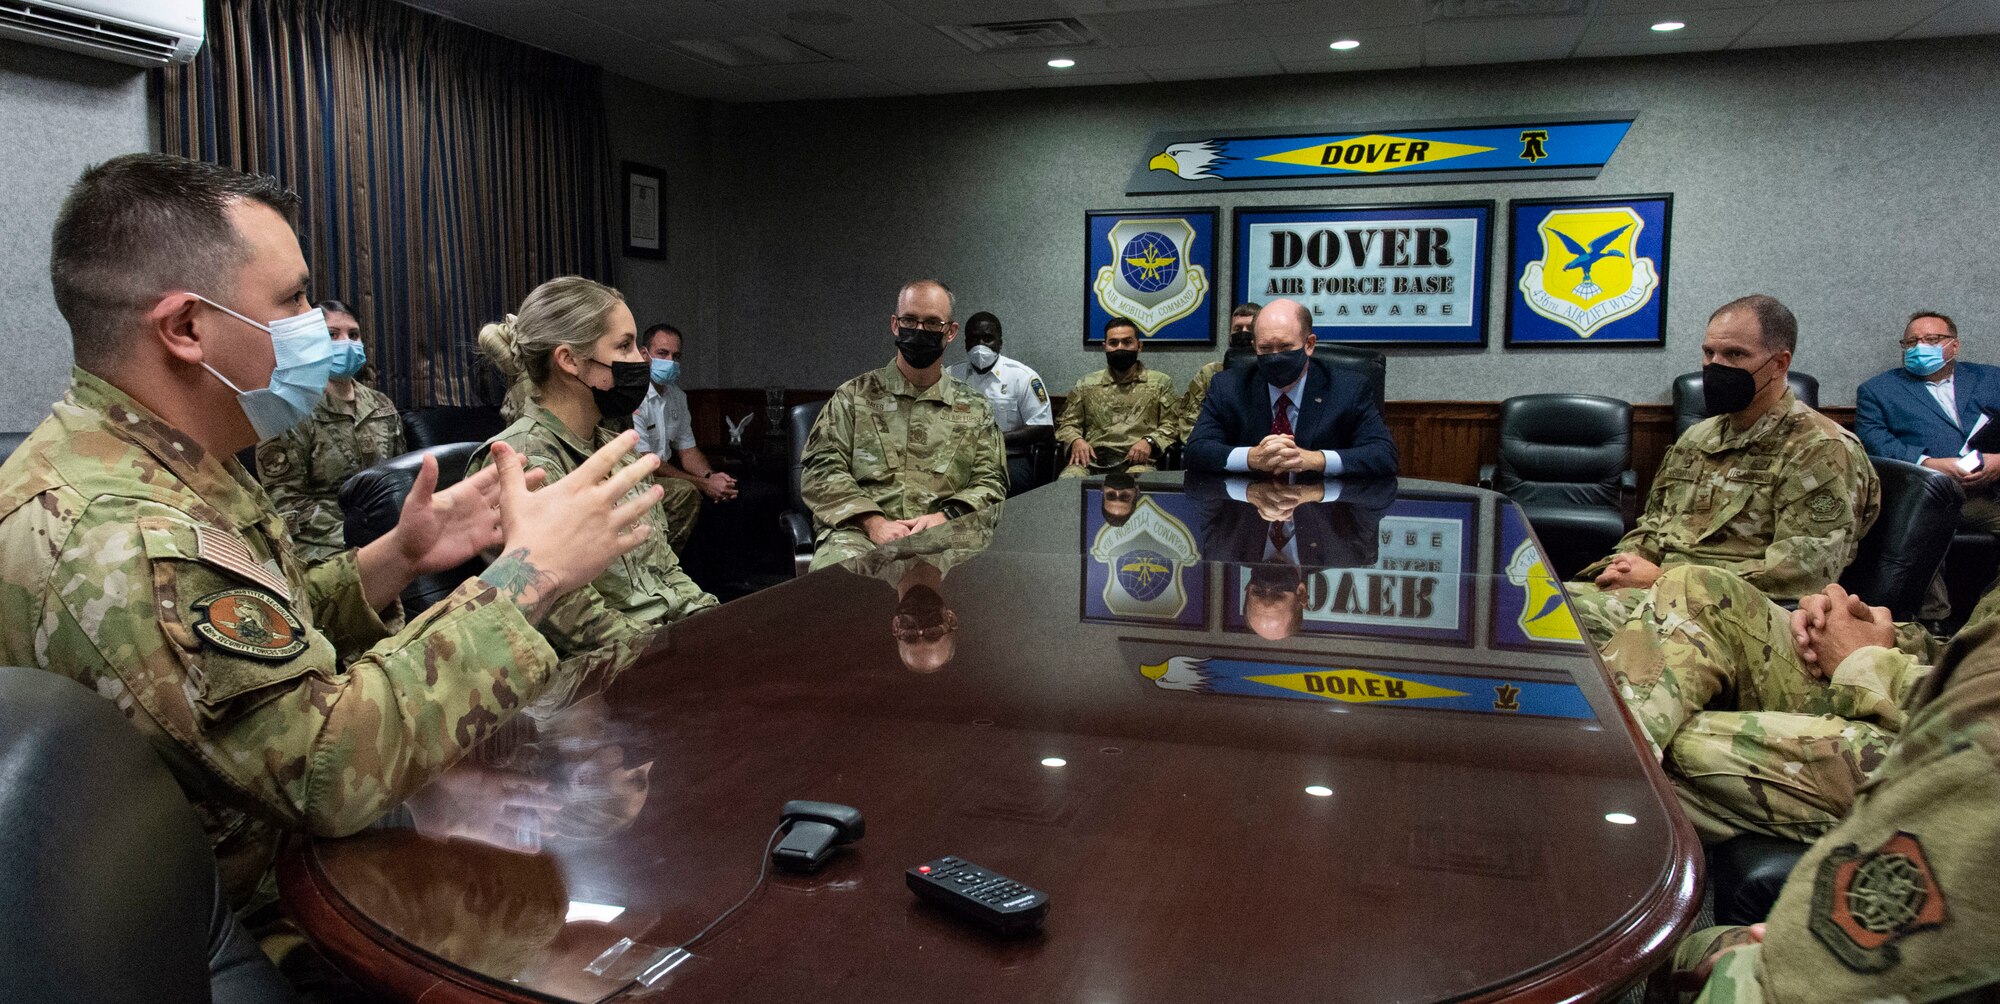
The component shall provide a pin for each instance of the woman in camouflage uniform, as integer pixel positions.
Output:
(572, 356)
(353, 427)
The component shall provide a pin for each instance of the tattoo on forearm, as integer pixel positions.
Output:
(517, 579)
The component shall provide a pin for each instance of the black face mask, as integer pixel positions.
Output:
(1726, 390)
(1121, 359)
(1239, 358)
(920, 348)
(1281, 368)
(1241, 339)
(628, 389)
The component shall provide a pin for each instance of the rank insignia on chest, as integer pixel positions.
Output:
(1864, 903)
(249, 622)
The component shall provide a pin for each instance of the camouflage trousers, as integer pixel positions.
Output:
(1786, 751)
(1600, 613)
(838, 545)
(1107, 460)
(680, 504)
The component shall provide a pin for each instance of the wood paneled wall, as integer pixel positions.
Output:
(1439, 440)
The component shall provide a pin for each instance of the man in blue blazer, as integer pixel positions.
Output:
(1923, 412)
(1290, 414)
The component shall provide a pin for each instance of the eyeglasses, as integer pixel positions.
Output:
(926, 323)
(1927, 340)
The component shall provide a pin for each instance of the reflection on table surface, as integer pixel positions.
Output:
(1334, 740)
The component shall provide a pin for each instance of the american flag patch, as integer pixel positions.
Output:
(226, 552)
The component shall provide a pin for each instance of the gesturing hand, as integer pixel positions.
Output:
(566, 534)
(442, 530)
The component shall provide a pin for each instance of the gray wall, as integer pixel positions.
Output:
(652, 127)
(1856, 183)
(59, 112)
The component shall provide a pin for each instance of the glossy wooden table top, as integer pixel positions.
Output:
(1418, 787)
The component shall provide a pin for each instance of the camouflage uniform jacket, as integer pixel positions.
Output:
(884, 446)
(1112, 414)
(158, 576)
(1197, 392)
(303, 469)
(647, 584)
(1901, 901)
(1783, 503)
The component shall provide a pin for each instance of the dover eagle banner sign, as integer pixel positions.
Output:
(1551, 147)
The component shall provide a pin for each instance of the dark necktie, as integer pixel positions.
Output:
(1281, 420)
(1281, 534)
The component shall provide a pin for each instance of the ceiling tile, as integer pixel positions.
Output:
(1160, 27)
(820, 80)
(923, 74)
(1670, 8)
(1154, 59)
(1826, 35)
(1270, 69)
(972, 11)
(1813, 17)
(1035, 64)
(1127, 6)
(1474, 56)
(1652, 47)
(1538, 33)
(1090, 79)
(1967, 17)
(1354, 64)
(1375, 43)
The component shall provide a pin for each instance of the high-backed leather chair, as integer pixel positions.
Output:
(1688, 400)
(372, 501)
(1566, 460)
(796, 521)
(108, 889)
(427, 427)
(1901, 553)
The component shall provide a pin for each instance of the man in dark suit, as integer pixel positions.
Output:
(1286, 533)
(1290, 415)
(1922, 413)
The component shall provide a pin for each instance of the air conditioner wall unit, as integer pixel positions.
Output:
(140, 32)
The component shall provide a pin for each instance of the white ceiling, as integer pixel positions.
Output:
(806, 49)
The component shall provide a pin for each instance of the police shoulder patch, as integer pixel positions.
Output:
(1864, 903)
(1041, 392)
(1825, 506)
(249, 622)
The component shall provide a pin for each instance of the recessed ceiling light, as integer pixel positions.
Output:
(1053, 761)
(1318, 790)
(1621, 818)
(1062, 64)
(1345, 44)
(1669, 26)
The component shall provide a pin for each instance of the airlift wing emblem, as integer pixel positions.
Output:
(1589, 274)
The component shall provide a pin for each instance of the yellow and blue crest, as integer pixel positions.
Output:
(1589, 271)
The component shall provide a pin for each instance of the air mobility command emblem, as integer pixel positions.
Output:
(1150, 278)
(1590, 273)
(1146, 557)
(249, 622)
(1864, 903)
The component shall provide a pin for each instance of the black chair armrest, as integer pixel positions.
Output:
(1486, 476)
(1746, 874)
(1175, 453)
(1628, 496)
(798, 531)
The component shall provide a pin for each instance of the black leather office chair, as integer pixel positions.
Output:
(1901, 553)
(1566, 459)
(427, 427)
(796, 521)
(1969, 571)
(1688, 400)
(108, 890)
(372, 501)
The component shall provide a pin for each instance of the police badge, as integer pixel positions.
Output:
(1154, 270)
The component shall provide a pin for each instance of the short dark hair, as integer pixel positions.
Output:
(983, 317)
(1777, 329)
(1120, 322)
(337, 307)
(1246, 309)
(646, 340)
(1949, 324)
(142, 225)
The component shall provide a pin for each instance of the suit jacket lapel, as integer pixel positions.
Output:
(1968, 399)
(1314, 403)
(1926, 400)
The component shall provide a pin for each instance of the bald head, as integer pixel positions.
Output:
(1283, 325)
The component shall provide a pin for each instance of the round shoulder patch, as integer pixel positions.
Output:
(249, 622)
(1824, 506)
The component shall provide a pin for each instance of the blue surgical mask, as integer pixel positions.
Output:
(348, 358)
(304, 354)
(1923, 360)
(666, 371)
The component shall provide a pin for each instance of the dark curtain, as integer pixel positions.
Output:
(445, 171)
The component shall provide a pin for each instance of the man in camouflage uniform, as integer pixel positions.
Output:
(1901, 900)
(1768, 488)
(1795, 727)
(353, 427)
(1242, 345)
(1122, 417)
(901, 449)
(138, 558)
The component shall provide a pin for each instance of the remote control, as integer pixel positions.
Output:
(964, 888)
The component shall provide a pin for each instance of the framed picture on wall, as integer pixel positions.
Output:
(645, 211)
(1155, 267)
(1584, 272)
(1372, 275)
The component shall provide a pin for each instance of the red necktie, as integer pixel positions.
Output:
(1281, 422)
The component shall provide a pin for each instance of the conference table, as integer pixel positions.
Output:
(1336, 741)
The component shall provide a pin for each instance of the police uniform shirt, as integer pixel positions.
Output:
(663, 423)
(1013, 389)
